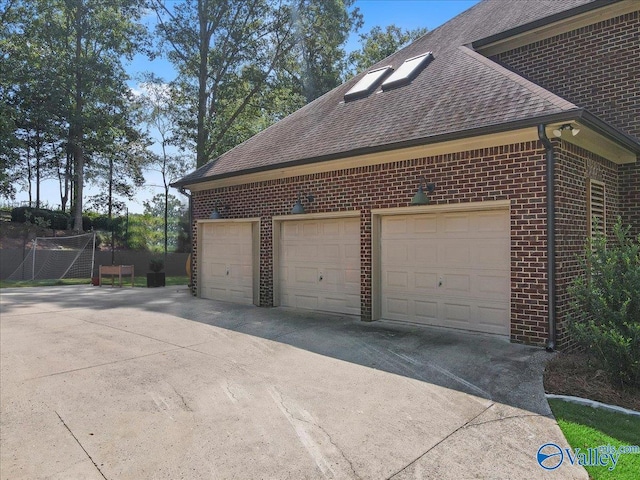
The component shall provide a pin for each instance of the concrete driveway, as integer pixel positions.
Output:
(153, 383)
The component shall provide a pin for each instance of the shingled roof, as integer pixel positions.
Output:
(459, 93)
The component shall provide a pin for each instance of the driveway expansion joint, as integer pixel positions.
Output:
(88, 367)
(461, 427)
(83, 449)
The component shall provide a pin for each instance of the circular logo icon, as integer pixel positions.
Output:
(550, 456)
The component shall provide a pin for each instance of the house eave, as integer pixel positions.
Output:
(620, 148)
(193, 184)
(553, 25)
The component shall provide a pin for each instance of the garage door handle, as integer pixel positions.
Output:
(320, 277)
(227, 271)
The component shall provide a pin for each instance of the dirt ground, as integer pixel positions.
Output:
(575, 374)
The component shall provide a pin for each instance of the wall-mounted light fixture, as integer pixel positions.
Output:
(567, 126)
(215, 214)
(421, 198)
(297, 207)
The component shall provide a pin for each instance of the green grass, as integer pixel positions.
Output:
(140, 281)
(586, 427)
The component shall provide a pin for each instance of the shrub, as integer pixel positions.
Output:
(607, 305)
(57, 220)
(156, 265)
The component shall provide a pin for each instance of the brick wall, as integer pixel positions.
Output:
(597, 67)
(574, 166)
(630, 196)
(511, 172)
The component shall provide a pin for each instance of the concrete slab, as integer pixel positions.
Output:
(153, 383)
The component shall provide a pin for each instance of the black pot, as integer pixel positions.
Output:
(155, 279)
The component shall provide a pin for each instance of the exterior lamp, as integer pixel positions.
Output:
(421, 198)
(297, 207)
(558, 131)
(215, 214)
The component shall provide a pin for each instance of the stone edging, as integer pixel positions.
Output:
(593, 404)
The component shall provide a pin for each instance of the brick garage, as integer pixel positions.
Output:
(512, 172)
(480, 146)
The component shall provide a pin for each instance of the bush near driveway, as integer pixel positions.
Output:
(607, 302)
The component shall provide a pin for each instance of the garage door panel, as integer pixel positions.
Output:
(396, 280)
(455, 252)
(493, 316)
(424, 255)
(457, 283)
(453, 224)
(492, 222)
(307, 275)
(457, 312)
(399, 254)
(329, 253)
(424, 281)
(426, 310)
(397, 306)
(352, 279)
(352, 254)
(396, 226)
(310, 229)
(428, 224)
(448, 269)
(327, 276)
(492, 284)
(330, 229)
(490, 252)
(226, 262)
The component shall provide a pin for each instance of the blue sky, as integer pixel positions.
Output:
(407, 14)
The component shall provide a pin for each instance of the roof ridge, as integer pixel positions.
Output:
(534, 88)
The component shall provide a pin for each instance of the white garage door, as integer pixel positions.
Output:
(320, 265)
(226, 262)
(447, 269)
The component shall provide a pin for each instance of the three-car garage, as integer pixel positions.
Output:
(445, 266)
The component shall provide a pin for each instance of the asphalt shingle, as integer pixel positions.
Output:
(459, 90)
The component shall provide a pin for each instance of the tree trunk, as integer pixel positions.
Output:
(77, 128)
(203, 70)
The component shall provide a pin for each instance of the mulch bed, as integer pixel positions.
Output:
(576, 374)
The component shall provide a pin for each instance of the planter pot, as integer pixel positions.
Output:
(156, 279)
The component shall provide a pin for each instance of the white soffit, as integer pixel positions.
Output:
(367, 83)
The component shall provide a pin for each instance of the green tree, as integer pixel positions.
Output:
(378, 44)
(244, 63)
(117, 163)
(317, 58)
(79, 46)
(225, 52)
(10, 12)
(159, 114)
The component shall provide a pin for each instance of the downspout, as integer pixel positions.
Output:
(551, 239)
(183, 191)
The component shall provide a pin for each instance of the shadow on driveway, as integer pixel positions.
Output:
(482, 365)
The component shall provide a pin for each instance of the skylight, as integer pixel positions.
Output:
(407, 71)
(367, 84)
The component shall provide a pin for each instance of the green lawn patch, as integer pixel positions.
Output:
(140, 281)
(585, 427)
